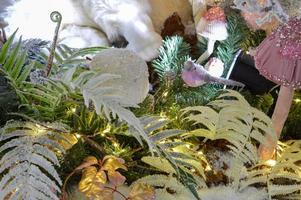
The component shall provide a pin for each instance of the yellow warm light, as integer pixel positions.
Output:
(78, 136)
(73, 110)
(163, 114)
(297, 100)
(115, 144)
(271, 162)
(107, 130)
(39, 129)
(208, 168)
(165, 94)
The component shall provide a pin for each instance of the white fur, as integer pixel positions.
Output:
(87, 23)
(97, 22)
(229, 193)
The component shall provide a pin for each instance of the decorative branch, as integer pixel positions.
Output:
(57, 18)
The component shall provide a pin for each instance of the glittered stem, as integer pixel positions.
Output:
(57, 18)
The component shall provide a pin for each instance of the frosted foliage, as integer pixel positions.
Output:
(229, 193)
(165, 184)
(132, 69)
(27, 162)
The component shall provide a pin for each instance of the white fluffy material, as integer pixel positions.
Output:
(87, 22)
(96, 22)
(228, 193)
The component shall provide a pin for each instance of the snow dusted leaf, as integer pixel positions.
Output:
(28, 163)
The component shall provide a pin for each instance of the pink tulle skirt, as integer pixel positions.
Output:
(278, 56)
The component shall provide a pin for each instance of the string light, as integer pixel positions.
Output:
(297, 100)
(208, 168)
(78, 136)
(271, 162)
(163, 114)
(165, 94)
(107, 129)
(39, 129)
(115, 144)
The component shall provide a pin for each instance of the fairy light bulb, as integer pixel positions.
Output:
(297, 100)
(271, 162)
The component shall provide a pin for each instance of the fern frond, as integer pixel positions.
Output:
(66, 57)
(231, 118)
(13, 64)
(159, 163)
(283, 177)
(48, 100)
(109, 100)
(27, 164)
(168, 187)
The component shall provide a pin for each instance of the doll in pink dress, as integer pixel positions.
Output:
(278, 57)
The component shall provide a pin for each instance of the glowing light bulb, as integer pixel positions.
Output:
(271, 162)
(107, 130)
(78, 136)
(208, 168)
(39, 129)
(165, 94)
(115, 144)
(297, 100)
(73, 110)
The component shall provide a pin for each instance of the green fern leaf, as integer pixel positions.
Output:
(231, 118)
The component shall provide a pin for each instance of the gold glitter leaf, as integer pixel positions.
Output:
(111, 163)
(92, 182)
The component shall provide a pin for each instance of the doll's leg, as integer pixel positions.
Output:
(279, 117)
